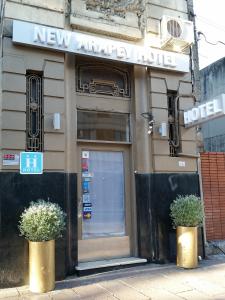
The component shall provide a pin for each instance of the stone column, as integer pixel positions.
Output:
(70, 114)
(142, 140)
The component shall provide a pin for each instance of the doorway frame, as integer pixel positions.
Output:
(88, 248)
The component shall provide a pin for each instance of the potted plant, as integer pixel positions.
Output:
(41, 223)
(187, 214)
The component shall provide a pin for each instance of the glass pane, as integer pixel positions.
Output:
(103, 126)
(103, 194)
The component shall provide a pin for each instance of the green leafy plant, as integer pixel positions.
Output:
(42, 221)
(187, 211)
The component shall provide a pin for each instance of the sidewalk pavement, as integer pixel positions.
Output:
(151, 281)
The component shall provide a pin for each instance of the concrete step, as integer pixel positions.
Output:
(91, 267)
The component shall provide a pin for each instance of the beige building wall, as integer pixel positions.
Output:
(161, 82)
(46, 12)
(16, 61)
(59, 82)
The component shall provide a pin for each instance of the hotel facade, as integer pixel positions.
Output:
(97, 90)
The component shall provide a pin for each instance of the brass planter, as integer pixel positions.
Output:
(187, 247)
(42, 266)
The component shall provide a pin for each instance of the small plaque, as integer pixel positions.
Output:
(10, 160)
(181, 163)
(85, 154)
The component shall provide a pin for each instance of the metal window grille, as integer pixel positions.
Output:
(34, 113)
(173, 119)
(98, 78)
(215, 143)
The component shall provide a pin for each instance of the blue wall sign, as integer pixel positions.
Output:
(31, 163)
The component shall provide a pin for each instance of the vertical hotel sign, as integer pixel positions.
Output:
(85, 44)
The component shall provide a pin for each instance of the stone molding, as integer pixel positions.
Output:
(115, 18)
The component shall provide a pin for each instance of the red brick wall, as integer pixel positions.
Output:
(213, 181)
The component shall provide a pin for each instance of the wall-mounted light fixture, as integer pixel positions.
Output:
(56, 121)
(149, 117)
(163, 129)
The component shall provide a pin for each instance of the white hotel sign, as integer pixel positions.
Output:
(80, 43)
(205, 112)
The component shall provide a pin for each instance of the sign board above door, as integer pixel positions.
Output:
(91, 45)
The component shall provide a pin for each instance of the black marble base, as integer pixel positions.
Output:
(16, 192)
(156, 237)
(154, 194)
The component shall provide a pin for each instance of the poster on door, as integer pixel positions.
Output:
(85, 187)
(84, 164)
(86, 198)
(87, 215)
(85, 154)
(86, 178)
(87, 175)
(87, 210)
(87, 207)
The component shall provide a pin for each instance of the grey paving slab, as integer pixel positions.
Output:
(67, 294)
(31, 296)
(94, 291)
(205, 286)
(156, 294)
(157, 282)
(6, 293)
(195, 295)
(152, 290)
(122, 291)
(220, 279)
(174, 287)
(24, 290)
(143, 282)
(220, 297)
(13, 298)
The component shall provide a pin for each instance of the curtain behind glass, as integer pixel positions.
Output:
(106, 195)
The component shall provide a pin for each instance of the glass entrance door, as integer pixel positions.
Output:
(102, 209)
(103, 194)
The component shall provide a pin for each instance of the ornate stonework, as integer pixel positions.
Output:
(115, 7)
(119, 18)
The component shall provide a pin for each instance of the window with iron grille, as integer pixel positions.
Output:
(34, 112)
(99, 78)
(174, 126)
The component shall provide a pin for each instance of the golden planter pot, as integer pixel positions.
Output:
(187, 247)
(42, 266)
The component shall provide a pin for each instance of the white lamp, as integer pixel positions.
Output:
(56, 121)
(163, 129)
